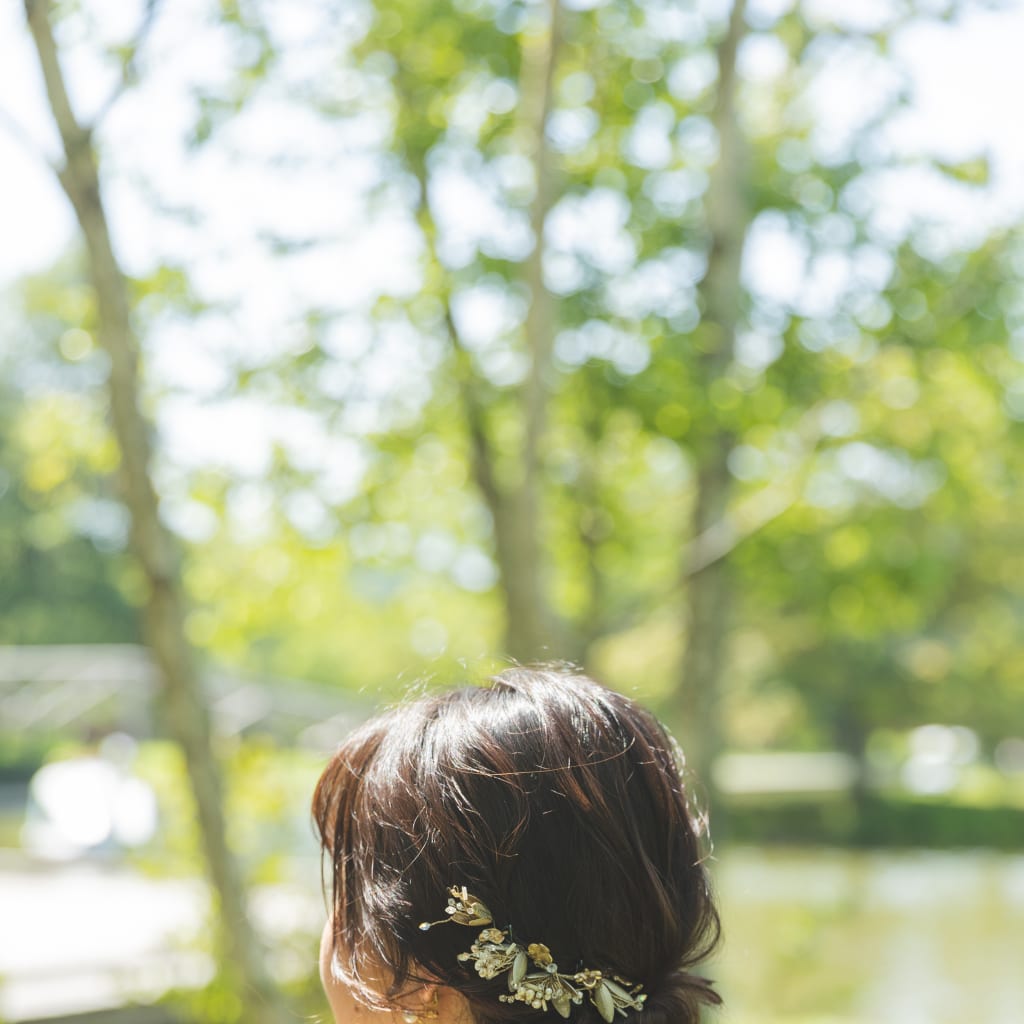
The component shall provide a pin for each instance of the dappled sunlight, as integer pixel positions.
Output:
(355, 349)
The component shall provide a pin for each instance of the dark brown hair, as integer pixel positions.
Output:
(560, 804)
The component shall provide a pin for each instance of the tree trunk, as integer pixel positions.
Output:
(707, 586)
(151, 544)
(516, 505)
(530, 622)
(512, 513)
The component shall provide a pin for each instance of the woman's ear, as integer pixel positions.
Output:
(451, 1006)
(421, 1004)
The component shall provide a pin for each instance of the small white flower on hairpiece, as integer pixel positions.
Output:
(462, 909)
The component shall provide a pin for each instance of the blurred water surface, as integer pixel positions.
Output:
(915, 937)
(811, 936)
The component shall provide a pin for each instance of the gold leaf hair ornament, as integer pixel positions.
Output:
(494, 953)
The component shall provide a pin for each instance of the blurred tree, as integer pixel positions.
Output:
(720, 294)
(510, 482)
(574, 457)
(151, 543)
(512, 149)
(655, 336)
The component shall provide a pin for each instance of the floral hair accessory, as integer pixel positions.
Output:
(494, 953)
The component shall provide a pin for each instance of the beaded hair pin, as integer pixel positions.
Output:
(494, 953)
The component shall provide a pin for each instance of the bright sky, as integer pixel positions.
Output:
(967, 82)
(281, 171)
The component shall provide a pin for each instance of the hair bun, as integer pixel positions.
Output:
(496, 785)
(677, 999)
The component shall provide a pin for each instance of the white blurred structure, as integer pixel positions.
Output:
(85, 804)
(83, 937)
(938, 755)
(785, 773)
(113, 688)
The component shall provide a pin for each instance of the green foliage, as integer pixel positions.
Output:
(269, 826)
(63, 575)
(874, 422)
(870, 417)
(266, 807)
(878, 821)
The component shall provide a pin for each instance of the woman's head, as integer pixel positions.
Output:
(558, 803)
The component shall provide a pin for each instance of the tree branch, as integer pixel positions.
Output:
(73, 135)
(129, 70)
(746, 520)
(482, 455)
(722, 538)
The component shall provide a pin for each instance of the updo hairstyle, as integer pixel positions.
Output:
(558, 803)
